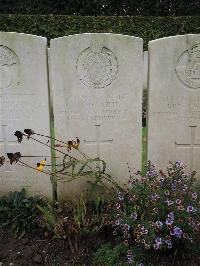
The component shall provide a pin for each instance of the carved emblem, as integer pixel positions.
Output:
(97, 66)
(9, 67)
(188, 67)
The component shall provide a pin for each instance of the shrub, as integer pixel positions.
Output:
(158, 212)
(108, 255)
(19, 211)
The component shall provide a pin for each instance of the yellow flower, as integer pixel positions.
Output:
(40, 166)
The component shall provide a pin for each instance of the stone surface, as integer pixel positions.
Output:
(174, 101)
(23, 104)
(97, 95)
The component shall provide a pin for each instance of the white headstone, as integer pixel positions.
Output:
(97, 96)
(174, 101)
(23, 104)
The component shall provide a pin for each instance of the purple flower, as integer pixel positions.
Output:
(178, 201)
(169, 202)
(194, 195)
(158, 240)
(171, 215)
(169, 243)
(169, 221)
(134, 216)
(130, 256)
(144, 231)
(152, 172)
(179, 164)
(173, 186)
(155, 196)
(177, 232)
(159, 224)
(191, 209)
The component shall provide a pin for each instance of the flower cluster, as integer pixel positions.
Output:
(159, 210)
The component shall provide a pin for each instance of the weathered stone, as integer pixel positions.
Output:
(97, 96)
(23, 104)
(174, 101)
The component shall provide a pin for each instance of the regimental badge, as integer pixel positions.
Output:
(97, 66)
(188, 67)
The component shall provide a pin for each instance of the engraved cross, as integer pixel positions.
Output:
(98, 141)
(191, 146)
(6, 143)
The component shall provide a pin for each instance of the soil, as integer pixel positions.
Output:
(35, 249)
(39, 249)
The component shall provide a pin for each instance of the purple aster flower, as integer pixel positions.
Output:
(134, 216)
(194, 195)
(158, 240)
(169, 243)
(130, 256)
(144, 231)
(171, 215)
(177, 232)
(191, 209)
(169, 246)
(173, 186)
(178, 201)
(159, 224)
(120, 196)
(169, 202)
(179, 164)
(152, 172)
(154, 196)
(169, 221)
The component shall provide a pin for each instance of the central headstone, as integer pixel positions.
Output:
(174, 101)
(24, 103)
(97, 97)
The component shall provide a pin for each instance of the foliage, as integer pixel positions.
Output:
(19, 212)
(50, 220)
(70, 166)
(102, 7)
(109, 255)
(159, 212)
(77, 220)
(54, 26)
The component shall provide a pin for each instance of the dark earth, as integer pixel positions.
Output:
(38, 249)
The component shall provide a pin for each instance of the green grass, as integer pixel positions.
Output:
(144, 149)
